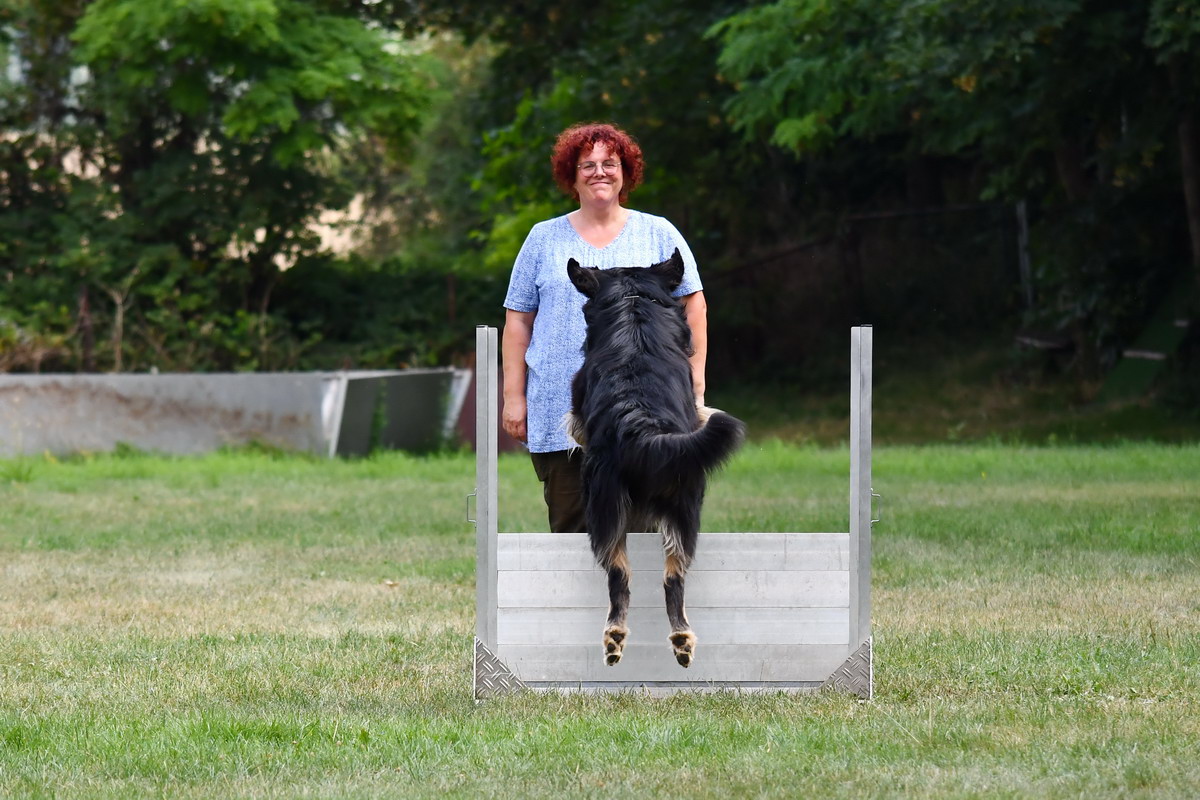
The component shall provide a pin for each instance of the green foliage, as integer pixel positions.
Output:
(421, 206)
(162, 162)
(1063, 103)
(1174, 29)
(509, 230)
(1002, 78)
(355, 313)
(280, 73)
(166, 160)
(646, 67)
(804, 70)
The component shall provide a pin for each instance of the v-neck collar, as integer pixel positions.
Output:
(611, 242)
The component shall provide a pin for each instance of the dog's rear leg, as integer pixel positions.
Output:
(616, 630)
(683, 641)
(606, 506)
(679, 551)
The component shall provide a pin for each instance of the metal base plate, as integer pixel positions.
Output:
(493, 678)
(857, 675)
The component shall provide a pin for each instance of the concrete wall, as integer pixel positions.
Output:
(342, 413)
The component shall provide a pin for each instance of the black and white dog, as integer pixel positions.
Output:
(647, 447)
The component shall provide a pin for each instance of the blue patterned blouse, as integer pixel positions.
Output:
(539, 283)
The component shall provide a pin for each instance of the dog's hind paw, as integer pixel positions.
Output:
(614, 643)
(684, 644)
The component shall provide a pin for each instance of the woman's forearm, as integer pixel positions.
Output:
(695, 309)
(518, 330)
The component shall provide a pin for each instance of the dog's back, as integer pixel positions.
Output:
(647, 449)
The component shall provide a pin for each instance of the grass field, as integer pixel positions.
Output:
(253, 625)
(950, 391)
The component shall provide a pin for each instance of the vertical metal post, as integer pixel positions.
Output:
(486, 431)
(860, 484)
(333, 409)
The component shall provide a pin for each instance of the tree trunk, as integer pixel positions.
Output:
(1189, 164)
(1068, 157)
(120, 299)
(87, 336)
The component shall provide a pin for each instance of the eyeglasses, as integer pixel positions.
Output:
(588, 168)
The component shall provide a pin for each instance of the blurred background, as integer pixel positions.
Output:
(1008, 190)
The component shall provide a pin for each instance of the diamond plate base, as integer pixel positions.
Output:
(857, 675)
(492, 676)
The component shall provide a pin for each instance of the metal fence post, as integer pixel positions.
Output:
(860, 484)
(486, 433)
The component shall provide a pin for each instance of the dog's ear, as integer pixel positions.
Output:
(670, 271)
(584, 278)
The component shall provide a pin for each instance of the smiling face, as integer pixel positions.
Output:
(599, 188)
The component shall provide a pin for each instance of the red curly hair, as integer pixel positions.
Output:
(578, 139)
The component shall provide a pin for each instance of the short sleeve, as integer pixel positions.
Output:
(691, 274)
(522, 284)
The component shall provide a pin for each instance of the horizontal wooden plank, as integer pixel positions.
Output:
(715, 551)
(517, 626)
(655, 662)
(727, 589)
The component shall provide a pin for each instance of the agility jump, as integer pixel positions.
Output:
(776, 611)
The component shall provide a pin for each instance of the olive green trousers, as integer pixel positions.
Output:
(562, 486)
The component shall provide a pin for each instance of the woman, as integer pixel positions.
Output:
(598, 165)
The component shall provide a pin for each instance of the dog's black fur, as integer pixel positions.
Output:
(648, 448)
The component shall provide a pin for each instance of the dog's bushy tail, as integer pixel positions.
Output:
(708, 447)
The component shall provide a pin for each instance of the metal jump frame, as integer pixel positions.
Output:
(856, 675)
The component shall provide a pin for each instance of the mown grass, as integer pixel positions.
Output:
(249, 625)
(974, 388)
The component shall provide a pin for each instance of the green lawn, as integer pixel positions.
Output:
(971, 390)
(249, 625)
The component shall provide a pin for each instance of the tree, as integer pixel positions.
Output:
(645, 66)
(1069, 102)
(165, 160)
(1173, 34)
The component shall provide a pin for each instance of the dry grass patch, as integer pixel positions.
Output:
(232, 592)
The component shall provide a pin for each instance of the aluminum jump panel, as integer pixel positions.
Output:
(771, 611)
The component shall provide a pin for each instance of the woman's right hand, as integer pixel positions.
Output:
(518, 330)
(513, 418)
